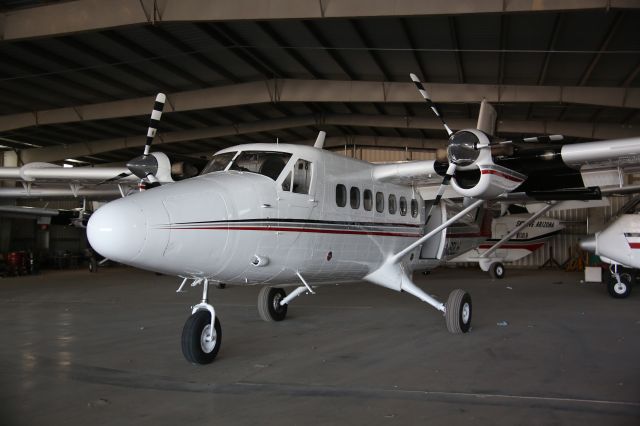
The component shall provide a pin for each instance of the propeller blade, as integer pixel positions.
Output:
(443, 186)
(154, 121)
(115, 178)
(433, 106)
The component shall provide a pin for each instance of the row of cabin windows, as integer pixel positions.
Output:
(367, 201)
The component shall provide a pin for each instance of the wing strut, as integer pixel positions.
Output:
(517, 229)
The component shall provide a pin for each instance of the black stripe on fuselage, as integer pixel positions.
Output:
(306, 222)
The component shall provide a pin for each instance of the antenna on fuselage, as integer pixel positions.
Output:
(320, 140)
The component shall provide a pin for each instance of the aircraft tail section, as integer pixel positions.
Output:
(487, 118)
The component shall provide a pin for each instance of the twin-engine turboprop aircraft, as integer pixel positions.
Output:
(282, 215)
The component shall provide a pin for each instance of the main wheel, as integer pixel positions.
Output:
(458, 312)
(622, 289)
(269, 306)
(196, 347)
(496, 271)
(93, 265)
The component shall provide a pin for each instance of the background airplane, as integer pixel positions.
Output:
(619, 246)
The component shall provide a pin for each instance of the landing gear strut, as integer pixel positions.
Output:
(202, 333)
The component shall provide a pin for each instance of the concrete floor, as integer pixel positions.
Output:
(104, 349)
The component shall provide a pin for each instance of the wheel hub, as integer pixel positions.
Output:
(466, 313)
(276, 302)
(620, 288)
(207, 339)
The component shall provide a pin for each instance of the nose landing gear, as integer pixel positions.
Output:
(202, 333)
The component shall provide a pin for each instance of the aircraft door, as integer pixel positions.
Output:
(297, 191)
(433, 248)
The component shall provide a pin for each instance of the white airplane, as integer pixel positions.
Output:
(494, 242)
(281, 215)
(619, 246)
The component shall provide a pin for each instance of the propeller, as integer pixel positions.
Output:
(146, 166)
(433, 106)
(452, 166)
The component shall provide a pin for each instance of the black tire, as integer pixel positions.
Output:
(496, 271)
(623, 290)
(269, 307)
(458, 312)
(93, 265)
(193, 344)
(221, 285)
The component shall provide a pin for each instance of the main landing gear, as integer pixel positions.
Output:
(202, 333)
(458, 312)
(273, 301)
(496, 271)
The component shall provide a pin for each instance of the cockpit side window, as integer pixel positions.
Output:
(301, 177)
(267, 163)
(219, 162)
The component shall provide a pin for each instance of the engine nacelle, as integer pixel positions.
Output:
(476, 175)
(486, 181)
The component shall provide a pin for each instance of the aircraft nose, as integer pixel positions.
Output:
(589, 244)
(118, 230)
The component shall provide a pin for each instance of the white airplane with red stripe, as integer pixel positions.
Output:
(619, 246)
(291, 216)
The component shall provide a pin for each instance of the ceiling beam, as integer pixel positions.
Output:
(289, 90)
(603, 47)
(90, 15)
(575, 129)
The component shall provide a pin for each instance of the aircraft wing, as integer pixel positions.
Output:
(419, 173)
(46, 172)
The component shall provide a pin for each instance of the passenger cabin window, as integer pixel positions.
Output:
(269, 164)
(414, 208)
(341, 195)
(392, 204)
(355, 197)
(379, 202)
(302, 177)
(368, 200)
(403, 206)
(219, 162)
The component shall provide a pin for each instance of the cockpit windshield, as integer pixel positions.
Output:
(219, 162)
(267, 163)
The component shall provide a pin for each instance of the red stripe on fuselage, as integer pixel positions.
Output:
(501, 174)
(634, 245)
(310, 230)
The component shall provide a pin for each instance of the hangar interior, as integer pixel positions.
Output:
(77, 91)
(78, 79)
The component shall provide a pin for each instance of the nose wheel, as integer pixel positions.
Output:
(202, 334)
(200, 344)
(619, 285)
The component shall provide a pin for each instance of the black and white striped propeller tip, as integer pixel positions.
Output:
(430, 103)
(154, 120)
